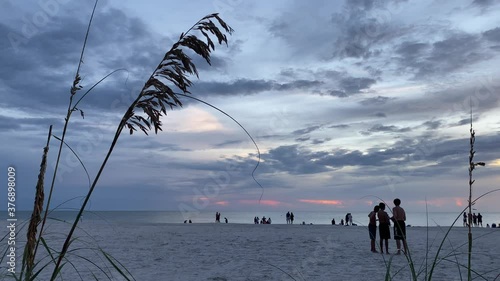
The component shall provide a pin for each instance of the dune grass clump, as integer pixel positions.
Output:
(161, 91)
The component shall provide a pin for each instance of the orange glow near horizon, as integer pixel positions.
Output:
(459, 202)
(321, 202)
(435, 202)
(262, 202)
(495, 162)
(222, 203)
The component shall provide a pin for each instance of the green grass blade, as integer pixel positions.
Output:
(116, 264)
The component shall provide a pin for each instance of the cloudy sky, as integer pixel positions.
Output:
(349, 102)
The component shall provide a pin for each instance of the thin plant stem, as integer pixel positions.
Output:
(248, 134)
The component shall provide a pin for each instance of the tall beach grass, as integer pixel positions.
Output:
(162, 91)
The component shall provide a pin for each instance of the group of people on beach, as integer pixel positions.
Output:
(262, 221)
(348, 220)
(289, 217)
(217, 217)
(384, 222)
(473, 219)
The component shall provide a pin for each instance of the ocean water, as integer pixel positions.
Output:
(308, 217)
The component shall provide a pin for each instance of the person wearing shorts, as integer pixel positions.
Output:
(399, 218)
(384, 228)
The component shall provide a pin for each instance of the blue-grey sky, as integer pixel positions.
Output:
(349, 102)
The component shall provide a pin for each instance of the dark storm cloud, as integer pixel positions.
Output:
(412, 50)
(216, 63)
(465, 121)
(289, 73)
(170, 147)
(380, 114)
(306, 130)
(293, 160)
(341, 83)
(303, 139)
(299, 160)
(492, 34)
(349, 86)
(238, 87)
(353, 40)
(353, 85)
(354, 29)
(337, 93)
(228, 143)
(385, 129)
(9, 123)
(483, 3)
(320, 141)
(298, 84)
(406, 152)
(433, 124)
(249, 87)
(363, 27)
(375, 72)
(456, 51)
(380, 100)
(457, 99)
(45, 65)
(340, 126)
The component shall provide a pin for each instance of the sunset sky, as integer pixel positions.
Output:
(349, 102)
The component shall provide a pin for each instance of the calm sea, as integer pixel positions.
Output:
(161, 217)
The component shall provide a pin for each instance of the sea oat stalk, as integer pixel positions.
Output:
(472, 166)
(29, 249)
(157, 94)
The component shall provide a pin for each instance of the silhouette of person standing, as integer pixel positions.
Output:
(372, 228)
(399, 218)
(384, 228)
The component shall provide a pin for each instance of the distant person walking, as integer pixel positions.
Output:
(399, 218)
(288, 217)
(291, 217)
(465, 219)
(372, 228)
(384, 228)
(479, 219)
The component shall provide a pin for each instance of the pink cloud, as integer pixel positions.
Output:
(322, 201)
(262, 202)
(222, 203)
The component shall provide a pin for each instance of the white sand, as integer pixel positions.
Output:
(213, 251)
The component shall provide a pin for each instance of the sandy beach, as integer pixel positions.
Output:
(219, 251)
